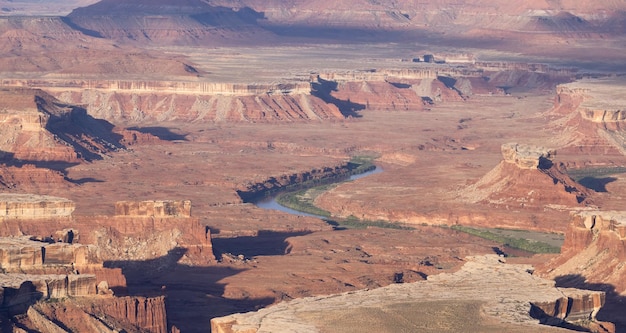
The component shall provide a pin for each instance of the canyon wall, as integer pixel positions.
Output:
(102, 314)
(154, 208)
(136, 107)
(38, 127)
(597, 100)
(31, 206)
(161, 86)
(19, 291)
(146, 313)
(594, 249)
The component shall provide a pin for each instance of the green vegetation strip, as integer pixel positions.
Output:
(354, 223)
(516, 243)
(303, 201)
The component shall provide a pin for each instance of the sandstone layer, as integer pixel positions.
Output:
(25, 206)
(593, 250)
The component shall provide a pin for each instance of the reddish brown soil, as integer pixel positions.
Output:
(432, 150)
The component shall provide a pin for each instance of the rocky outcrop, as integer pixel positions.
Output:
(526, 156)
(146, 313)
(506, 293)
(593, 249)
(23, 254)
(599, 101)
(22, 290)
(30, 206)
(154, 208)
(29, 178)
(103, 315)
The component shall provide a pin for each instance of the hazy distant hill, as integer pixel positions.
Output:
(179, 22)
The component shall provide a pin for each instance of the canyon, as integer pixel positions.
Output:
(134, 138)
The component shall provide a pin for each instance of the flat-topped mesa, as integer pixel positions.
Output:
(378, 75)
(177, 87)
(31, 206)
(601, 100)
(526, 156)
(429, 72)
(154, 208)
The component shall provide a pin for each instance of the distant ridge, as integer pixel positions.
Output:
(167, 22)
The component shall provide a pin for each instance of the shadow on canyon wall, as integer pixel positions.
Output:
(163, 133)
(596, 184)
(195, 294)
(615, 307)
(323, 90)
(89, 137)
(8, 159)
(266, 243)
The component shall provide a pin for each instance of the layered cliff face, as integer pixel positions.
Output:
(231, 107)
(593, 250)
(27, 206)
(104, 315)
(593, 113)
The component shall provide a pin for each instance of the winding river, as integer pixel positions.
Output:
(270, 202)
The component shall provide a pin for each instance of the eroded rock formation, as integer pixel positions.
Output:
(594, 250)
(527, 177)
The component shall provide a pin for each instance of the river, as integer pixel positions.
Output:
(271, 203)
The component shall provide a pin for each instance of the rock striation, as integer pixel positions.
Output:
(505, 293)
(19, 291)
(154, 208)
(31, 206)
(593, 249)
